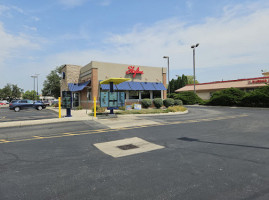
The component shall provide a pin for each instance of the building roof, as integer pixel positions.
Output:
(131, 85)
(74, 87)
(218, 85)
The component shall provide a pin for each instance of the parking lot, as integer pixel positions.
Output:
(7, 115)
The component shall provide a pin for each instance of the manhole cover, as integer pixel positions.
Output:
(127, 147)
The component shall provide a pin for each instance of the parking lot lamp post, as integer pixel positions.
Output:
(34, 81)
(168, 73)
(193, 47)
(37, 83)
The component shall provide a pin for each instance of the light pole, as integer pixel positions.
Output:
(168, 74)
(193, 47)
(37, 83)
(34, 81)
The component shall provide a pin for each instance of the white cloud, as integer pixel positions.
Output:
(105, 2)
(224, 41)
(12, 45)
(72, 3)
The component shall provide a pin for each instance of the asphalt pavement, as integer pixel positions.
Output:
(7, 115)
(209, 153)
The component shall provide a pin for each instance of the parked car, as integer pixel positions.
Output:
(3, 102)
(18, 105)
(46, 102)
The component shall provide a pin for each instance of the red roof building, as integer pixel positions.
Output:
(205, 90)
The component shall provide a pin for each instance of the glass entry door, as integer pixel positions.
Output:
(75, 99)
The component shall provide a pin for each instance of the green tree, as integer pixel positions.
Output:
(30, 95)
(11, 91)
(180, 82)
(1, 94)
(52, 85)
(172, 85)
(190, 80)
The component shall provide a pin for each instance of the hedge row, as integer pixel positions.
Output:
(235, 97)
(158, 102)
(188, 98)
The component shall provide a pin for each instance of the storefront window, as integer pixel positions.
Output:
(133, 94)
(89, 94)
(157, 94)
(145, 95)
(75, 99)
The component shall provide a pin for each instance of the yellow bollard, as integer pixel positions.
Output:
(59, 103)
(94, 106)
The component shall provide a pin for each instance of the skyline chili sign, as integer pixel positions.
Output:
(258, 81)
(132, 70)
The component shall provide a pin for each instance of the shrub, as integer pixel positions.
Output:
(176, 109)
(256, 98)
(122, 108)
(99, 109)
(227, 97)
(168, 102)
(56, 105)
(158, 102)
(146, 103)
(178, 102)
(79, 108)
(188, 98)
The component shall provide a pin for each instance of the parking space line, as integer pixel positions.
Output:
(88, 132)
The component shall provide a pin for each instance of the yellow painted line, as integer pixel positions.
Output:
(88, 132)
(4, 141)
(71, 134)
(125, 128)
(38, 137)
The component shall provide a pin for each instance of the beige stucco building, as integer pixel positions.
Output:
(205, 90)
(84, 82)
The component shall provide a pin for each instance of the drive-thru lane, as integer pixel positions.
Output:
(201, 159)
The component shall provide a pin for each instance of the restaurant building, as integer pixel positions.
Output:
(84, 82)
(205, 90)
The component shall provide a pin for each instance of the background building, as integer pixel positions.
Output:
(205, 90)
(84, 82)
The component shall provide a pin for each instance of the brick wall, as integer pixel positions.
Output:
(94, 83)
(72, 73)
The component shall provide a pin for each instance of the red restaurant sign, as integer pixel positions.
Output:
(131, 70)
(259, 81)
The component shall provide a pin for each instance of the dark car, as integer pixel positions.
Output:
(26, 104)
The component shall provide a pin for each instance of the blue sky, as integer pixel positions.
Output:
(37, 36)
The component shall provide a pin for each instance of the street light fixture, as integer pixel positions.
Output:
(193, 47)
(37, 83)
(168, 74)
(34, 81)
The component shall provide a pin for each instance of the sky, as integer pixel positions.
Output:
(38, 36)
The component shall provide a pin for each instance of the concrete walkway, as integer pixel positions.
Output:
(80, 115)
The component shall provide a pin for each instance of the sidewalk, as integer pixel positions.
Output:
(83, 115)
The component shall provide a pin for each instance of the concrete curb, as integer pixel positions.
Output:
(42, 121)
(78, 118)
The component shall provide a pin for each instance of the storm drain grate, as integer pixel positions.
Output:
(127, 147)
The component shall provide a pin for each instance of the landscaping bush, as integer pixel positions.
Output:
(158, 102)
(227, 97)
(178, 102)
(188, 98)
(122, 108)
(99, 109)
(256, 98)
(168, 102)
(79, 108)
(176, 109)
(146, 103)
